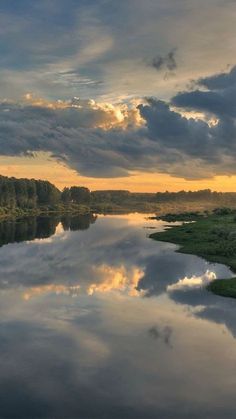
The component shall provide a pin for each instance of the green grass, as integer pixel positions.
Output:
(223, 287)
(213, 238)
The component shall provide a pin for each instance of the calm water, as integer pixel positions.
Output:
(99, 321)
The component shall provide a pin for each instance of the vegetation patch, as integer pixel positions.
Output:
(182, 216)
(223, 287)
(212, 237)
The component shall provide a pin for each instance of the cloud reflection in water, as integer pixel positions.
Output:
(132, 357)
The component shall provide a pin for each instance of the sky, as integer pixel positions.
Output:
(128, 94)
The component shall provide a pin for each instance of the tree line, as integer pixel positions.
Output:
(27, 193)
(117, 197)
(203, 195)
(31, 193)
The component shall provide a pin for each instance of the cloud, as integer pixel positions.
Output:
(62, 49)
(219, 81)
(164, 334)
(93, 138)
(221, 103)
(198, 139)
(119, 279)
(99, 139)
(193, 282)
(166, 62)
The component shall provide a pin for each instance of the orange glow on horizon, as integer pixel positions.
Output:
(44, 167)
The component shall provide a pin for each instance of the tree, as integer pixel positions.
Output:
(66, 196)
(80, 195)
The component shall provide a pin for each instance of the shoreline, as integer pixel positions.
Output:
(18, 213)
(211, 237)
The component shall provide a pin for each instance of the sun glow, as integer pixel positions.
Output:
(42, 166)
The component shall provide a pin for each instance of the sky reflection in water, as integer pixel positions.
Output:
(99, 321)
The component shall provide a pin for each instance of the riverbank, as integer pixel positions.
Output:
(73, 209)
(167, 212)
(212, 237)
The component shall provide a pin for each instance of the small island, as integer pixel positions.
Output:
(210, 236)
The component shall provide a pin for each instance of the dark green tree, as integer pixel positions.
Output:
(80, 195)
(66, 196)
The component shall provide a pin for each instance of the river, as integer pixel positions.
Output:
(98, 321)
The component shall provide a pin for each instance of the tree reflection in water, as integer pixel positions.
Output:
(41, 227)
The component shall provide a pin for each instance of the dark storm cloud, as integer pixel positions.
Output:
(219, 81)
(195, 137)
(85, 137)
(173, 130)
(219, 103)
(218, 99)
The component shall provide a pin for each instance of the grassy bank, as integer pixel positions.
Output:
(223, 287)
(212, 237)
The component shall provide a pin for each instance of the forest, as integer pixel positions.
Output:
(31, 194)
(27, 193)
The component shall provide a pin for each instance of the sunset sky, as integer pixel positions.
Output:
(128, 94)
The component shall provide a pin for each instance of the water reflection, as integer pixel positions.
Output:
(103, 322)
(41, 227)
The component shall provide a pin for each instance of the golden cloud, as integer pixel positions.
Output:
(120, 115)
(120, 279)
